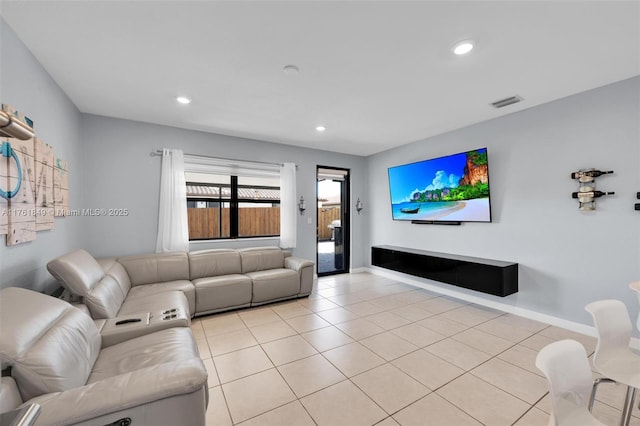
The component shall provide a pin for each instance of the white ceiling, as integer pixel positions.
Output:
(377, 74)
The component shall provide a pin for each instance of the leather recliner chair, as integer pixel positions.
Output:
(52, 351)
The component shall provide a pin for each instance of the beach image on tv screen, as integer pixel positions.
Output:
(453, 188)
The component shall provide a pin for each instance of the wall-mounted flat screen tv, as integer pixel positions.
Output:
(445, 189)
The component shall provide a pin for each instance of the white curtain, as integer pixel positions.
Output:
(173, 231)
(288, 216)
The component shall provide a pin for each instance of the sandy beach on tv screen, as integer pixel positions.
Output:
(476, 210)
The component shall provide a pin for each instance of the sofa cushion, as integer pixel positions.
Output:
(102, 297)
(105, 298)
(50, 345)
(172, 344)
(156, 268)
(213, 263)
(155, 303)
(227, 291)
(115, 270)
(274, 284)
(261, 259)
(77, 271)
(184, 286)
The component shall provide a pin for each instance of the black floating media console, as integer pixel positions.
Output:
(488, 276)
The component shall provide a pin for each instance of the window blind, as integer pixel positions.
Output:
(223, 166)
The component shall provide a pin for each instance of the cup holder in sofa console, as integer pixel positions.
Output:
(169, 317)
(170, 311)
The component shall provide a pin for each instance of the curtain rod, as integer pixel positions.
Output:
(158, 153)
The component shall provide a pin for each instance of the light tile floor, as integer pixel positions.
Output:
(365, 350)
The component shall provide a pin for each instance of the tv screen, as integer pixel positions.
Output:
(446, 189)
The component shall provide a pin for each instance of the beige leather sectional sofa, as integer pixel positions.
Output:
(132, 360)
(199, 282)
(55, 359)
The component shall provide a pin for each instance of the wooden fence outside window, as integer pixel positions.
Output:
(252, 222)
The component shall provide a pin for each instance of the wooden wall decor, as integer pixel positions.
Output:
(44, 185)
(61, 188)
(22, 205)
(34, 184)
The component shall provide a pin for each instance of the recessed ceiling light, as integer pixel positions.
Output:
(321, 128)
(291, 69)
(183, 100)
(463, 47)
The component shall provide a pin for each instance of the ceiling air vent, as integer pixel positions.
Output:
(506, 101)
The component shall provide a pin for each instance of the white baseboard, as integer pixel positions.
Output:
(537, 316)
(359, 270)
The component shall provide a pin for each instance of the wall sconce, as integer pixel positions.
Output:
(301, 205)
(359, 206)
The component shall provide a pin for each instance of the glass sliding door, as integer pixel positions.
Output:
(333, 220)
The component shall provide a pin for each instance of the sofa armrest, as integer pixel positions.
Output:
(121, 392)
(296, 263)
(9, 394)
(305, 269)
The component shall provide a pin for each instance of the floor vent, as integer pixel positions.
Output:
(506, 101)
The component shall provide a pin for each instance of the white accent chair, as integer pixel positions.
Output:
(635, 286)
(565, 365)
(613, 358)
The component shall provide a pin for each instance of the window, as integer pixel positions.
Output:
(222, 206)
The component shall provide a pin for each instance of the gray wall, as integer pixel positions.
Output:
(567, 258)
(28, 87)
(121, 174)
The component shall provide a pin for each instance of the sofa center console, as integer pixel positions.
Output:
(126, 327)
